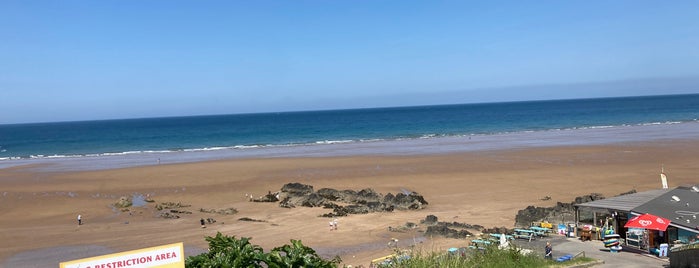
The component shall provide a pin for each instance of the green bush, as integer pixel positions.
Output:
(229, 252)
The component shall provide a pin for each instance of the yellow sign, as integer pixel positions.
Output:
(166, 256)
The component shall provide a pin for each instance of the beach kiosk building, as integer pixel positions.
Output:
(680, 205)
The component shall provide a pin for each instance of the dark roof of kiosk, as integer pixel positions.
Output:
(684, 212)
(625, 202)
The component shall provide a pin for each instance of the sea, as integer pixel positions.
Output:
(87, 145)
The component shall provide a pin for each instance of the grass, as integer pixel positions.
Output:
(490, 257)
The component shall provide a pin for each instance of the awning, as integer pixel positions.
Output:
(648, 221)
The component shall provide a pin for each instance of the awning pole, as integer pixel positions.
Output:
(576, 217)
(594, 218)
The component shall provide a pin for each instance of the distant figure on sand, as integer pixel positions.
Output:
(333, 224)
(80, 219)
(393, 243)
(202, 223)
(549, 251)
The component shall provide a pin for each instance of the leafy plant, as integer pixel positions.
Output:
(297, 255)
(229, 252)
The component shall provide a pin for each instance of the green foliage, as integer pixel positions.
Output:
(493, 257)
(490, 257)
(297, 255)
(227, 251)
(420, 259)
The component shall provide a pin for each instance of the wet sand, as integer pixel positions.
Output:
(485, 187)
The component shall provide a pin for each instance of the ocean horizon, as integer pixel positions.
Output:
(398, 130)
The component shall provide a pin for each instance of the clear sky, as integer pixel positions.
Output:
(82, 60)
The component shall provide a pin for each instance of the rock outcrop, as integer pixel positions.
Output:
(443, 230)
(223, 211)
(123, 202)
(171, 210)
(344, 202)
(449, 229)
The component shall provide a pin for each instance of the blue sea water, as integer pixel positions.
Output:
(241, 132)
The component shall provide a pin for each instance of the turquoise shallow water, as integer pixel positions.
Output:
(405, 130)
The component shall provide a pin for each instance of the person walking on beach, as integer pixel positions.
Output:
(80, 219)
(549, 251)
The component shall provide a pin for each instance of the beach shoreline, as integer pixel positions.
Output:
(401, 147)
(484, 187)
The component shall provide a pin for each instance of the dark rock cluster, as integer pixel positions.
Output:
(443, 230)
(168, 215)
(227, 211)
(587, 198)
(171, 210)
(269, 197)
(343, 202)
(456, 229)
(497, 230)
(431, 226)
(430, 220)
(251, 219)
(169, 205)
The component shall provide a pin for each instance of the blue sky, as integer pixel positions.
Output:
(83, 60)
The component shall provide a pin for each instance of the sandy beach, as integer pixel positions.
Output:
(484, 187)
